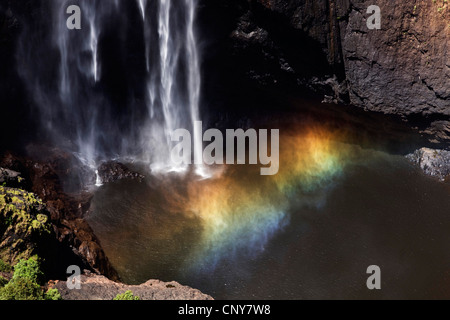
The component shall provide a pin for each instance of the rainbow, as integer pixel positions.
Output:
(240, 210)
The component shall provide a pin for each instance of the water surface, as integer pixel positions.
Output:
(308, 233)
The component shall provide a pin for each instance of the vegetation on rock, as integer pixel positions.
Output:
(24, 225)
(28, 269)
(128, 295)
(26, 283)
(3, 282)
(24, 222)
(21, 289)
(52, 294)
(5, 267)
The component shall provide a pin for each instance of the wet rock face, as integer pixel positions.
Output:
(24, 223)
(26, 230)
(94, 287)
(438, 131)
(404, 67)
(114, 171)
(273, 43)
(434, 163)
(65, 213)
(9, 178)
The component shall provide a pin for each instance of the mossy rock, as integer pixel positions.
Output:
(24, 222)
(10, 178)
(26, 283)
(128, 295)
(21, 289)
(3, 282)
(5, 267)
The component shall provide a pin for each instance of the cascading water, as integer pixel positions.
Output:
(98, 180)
(177, 101)
(142, 7)
(159, 94)
(79, 73)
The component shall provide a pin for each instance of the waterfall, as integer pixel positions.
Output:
(98, 180)
(99, 103)
(178, 102)
(94, 52)
(194, 83)
(79, 72)
(142, 7)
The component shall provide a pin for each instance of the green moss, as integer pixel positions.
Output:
(3, 282)
(21, 289)
(25, 283)
(5, 267)
(24, 222)
(16, 200)
(23, 210)
(29, 269)
(52, 294)
(128, 295)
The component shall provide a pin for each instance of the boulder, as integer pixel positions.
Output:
(112, 171)
(435, 163)
(10, 178)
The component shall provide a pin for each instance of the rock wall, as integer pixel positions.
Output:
(76, 242)
(403, 68)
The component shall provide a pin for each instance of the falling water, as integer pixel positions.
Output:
(142, 7)
(83, 107)
(158, 90)
(94, 51)
(98, 180)
(194, 81)
(178, 102)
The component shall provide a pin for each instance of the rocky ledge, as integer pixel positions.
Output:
(10, 178)
(95, 287)
(43, 180)
(433, 162)
(112, 171)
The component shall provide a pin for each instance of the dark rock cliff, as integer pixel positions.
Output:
(322, 45)
(403, 68)
(76, 243)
